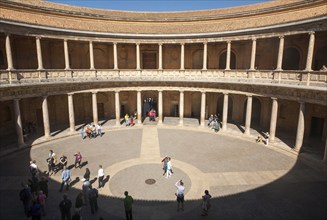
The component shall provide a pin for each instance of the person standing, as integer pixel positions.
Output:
(205, 203)
(36, 211)
(26, 197)
(87, 174)
(164, 162)
(93, 199)
(99, 128)
(128, 202)
(65, 206)
(267, 138)
(79, 203)
(169, 168)
(65, 177)
(43, 185)
(78, 159)
(41, 199)
(100, 176)
(82, 132)
(33, 167)
(180, 195)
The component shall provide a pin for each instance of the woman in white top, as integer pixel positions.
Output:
(180, 195)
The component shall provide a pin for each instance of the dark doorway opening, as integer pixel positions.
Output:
(317, 125)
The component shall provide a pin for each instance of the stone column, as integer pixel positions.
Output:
(181, 107)
(225, 112)
(160, 107)
(9, 54)
(18, 123)
(203, 108)
(248, 115)
(182, 56)
(71, 113)
(67, 65)
(139, 108)
(300, 128)
(228, 55)
(280, 53)
(39, 53)
(117, 107)
(45, 113)
(138, 62)
(95, 108)
(253, 52)
(310, 51)
(115, 57)
(91, 55)
(160, 56)
(273, 119)
(205, 54)
(325, 154)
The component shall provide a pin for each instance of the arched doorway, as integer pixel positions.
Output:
(291, 59)
(220, 106)
(197, 59)
(256, 111)
(222, 60)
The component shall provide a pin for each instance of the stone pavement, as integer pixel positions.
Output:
(246, 179)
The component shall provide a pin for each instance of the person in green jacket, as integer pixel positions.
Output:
(128, 201)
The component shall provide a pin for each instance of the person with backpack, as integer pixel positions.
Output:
(93, 199)
(65, 206)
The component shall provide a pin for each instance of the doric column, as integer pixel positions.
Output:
(325, 154)
(117, 107)
(300, 128)
(138, 62)
(253, 52)
(280, 53)
(139, 108)
(160, 107)
(45, 113)
(248, 115)
(310, 51)
(91, 55)
(95, 108)
(9, 54)
(18, 123)
(67, 65)
(181, 107)
(203, 108)
(205, 54)
(182, 56)
(160, 56)
(229, 43)
(273, 119)
(225, 112)
(39, 53)
(71, 113)
(115, 57)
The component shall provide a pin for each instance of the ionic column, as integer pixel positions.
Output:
(138, 66)
(117, 107)
(228, 55)
(310, 51)
(160, 56)
(203, 108)
(91, 55)
(280, 53)
(9, 54)
(95, 108)
(225, 112)
(253, 52)
(45, 113)
(39, 53)
(18, 123)
(71, 113)
(67, 65)
(273, 119)
(325, 154)
(300, 128)
(205, 54)
(160, 107)
(248, 115)
(139, 108)
(182, 56)
(181, 107)
(115, 57)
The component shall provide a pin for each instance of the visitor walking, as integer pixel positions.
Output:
(128, 202)
(26, 197)
(65, 177)
(93, 199)
(78, 159)
(100, 176)
(79, 203)
(205, 203)
(267, 138)
(99, 129)
(180, 195)
(43, 185)
(65, 206)
(41, 199)
(169, 168)
(87, 174)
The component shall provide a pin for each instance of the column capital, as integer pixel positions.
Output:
(117, 91)
(254, 39)
(160, 44)
(311, 32)
(226, 93)
(181, 90)
(301, 102)
(182, 44)
(281, 36)
(95, 92)
(65, 40)
(70, 94)
(203, 92)
(137, 44)
(38, 37)
(248, 95)
(228, 41)
(274, 98)
(114, 43)
(160, 90)
(205, 42)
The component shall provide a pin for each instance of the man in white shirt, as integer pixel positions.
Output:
(100, 176)
(180, 195)
(33, 167)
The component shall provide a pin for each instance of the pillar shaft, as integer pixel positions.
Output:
(117, 107)
(160, 107)
(205, 54)
(203, 108)
(95, 108)
(9, 54)
(273, 119)
(115, 57)
(67, 65)
(139, 107)
(91, 55)
(71, 113)
(225, 112)
(138, 62)
(182, 57)
(160, 57)
(18, 123)
(39, 53)
(181, 107)
(45, 113)
(253, 54)
(248, 115)
(280, 53)
(300, 128)
(228, 55)
(310, 51)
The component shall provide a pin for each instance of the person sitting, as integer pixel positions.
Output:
(210, 120)
(62, 162)
(215, 125)
(93, 131)
(259, 139)
(127, 123)
(131, 120)
(88, 131)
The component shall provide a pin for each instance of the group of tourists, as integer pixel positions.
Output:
(91, 131)
(266, 136)
(213, 122)
(129, 120)
(167, 167)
